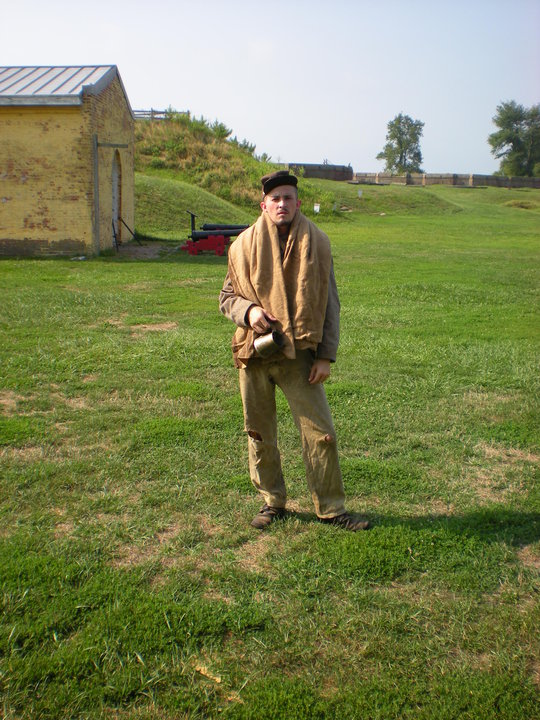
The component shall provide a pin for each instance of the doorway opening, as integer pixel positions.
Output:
(117, 198)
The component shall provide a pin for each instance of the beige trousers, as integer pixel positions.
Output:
(311, 413)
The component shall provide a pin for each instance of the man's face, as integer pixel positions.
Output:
(281, 204)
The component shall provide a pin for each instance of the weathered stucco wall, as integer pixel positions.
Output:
(56, 175)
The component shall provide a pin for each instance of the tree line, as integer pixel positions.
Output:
(516, 142)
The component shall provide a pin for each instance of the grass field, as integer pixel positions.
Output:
(132, 584)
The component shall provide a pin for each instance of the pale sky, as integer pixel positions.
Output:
(305, 80)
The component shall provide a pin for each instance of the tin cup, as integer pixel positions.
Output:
(267, 345)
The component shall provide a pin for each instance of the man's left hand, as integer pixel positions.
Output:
(320, 371)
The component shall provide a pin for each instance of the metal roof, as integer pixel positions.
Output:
(54, 85)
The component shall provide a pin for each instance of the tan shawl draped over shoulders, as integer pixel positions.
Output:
(294, 288)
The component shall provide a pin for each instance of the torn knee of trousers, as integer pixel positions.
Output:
(254, 435)
(328, 438)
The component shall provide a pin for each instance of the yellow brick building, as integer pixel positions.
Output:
(66, 160)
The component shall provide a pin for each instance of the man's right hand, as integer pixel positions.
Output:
(259, 320)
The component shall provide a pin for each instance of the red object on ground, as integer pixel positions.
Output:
(215, 243)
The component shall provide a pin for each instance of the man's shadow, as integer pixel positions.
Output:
(516, 528)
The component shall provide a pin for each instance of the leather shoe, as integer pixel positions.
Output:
(347, 522)
(266, 516)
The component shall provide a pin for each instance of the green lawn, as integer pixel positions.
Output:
(132, 584)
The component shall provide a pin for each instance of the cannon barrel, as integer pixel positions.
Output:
(212, 236)
(202, 234)
(220, 226)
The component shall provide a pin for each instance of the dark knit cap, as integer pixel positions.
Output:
(281, 177)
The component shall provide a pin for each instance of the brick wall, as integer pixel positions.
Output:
(45, 190)
(47, 169)
(110, 121)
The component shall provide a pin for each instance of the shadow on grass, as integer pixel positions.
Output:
(471, 553)
(491, 525)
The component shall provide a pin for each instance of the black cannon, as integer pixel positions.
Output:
(211, 236)
(220, 226)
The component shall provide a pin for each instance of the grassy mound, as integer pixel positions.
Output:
(162, 207)
(192, 150)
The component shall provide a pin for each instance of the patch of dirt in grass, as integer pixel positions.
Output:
(75, 403)
(489, 405)
(154, 327)
(148, 712)
(33, 453)
(252, 555)
(165, 537)
(485, 399)
(115, 322)
(458, 657)
(419, 601)
(139, 287)
(119, 322)
(508, 456)
(208, 558)
(8, 401)
(62, 427)
(150, 286)
(63, 529)
(481, 661)
(530, 556)
(433, 508)
(5, 532)
(215, 595)
(535, 672)
(130, 555)
(523, 601)
(190, 282)
(208, 527)
(498, 474)
(146, 251)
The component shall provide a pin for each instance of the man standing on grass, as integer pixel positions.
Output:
(281, 279)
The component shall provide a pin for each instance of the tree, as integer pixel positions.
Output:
(517, 141)
(402, 150)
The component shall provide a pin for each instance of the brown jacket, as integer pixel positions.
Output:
(304, 237)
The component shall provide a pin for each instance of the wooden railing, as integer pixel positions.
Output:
(155, 114)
